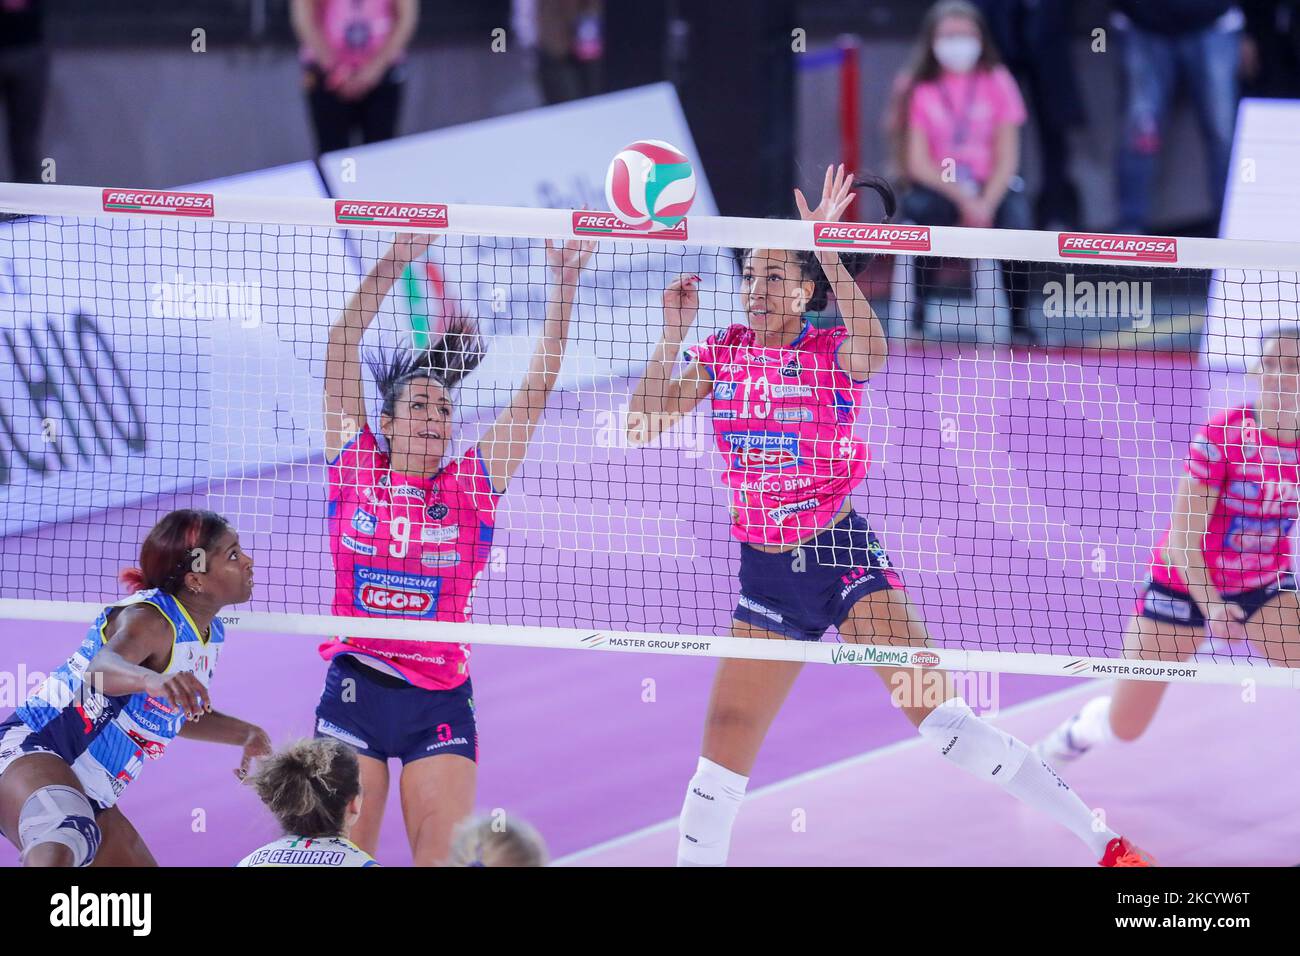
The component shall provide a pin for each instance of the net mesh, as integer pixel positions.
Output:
(1026, 435)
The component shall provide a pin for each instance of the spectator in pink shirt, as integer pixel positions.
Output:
(354, 55)
(956, 120)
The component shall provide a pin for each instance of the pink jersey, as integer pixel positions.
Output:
(408, 547)
(960, 114)
(1248, 540)
(355, 29)
(783, 417)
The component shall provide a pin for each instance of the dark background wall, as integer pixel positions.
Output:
(130, 104)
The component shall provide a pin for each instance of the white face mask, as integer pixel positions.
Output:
(958, 53)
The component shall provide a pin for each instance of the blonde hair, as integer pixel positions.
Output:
(496, 841)
(308, 785)
(1284, 329)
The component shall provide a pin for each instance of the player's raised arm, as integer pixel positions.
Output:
(660, 398)
(865, 349)
(345, 411)
(506, 442)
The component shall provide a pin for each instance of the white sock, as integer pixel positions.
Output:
(712, 801)
(1093, 724)
(978, 747)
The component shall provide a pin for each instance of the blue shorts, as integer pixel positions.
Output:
(1161, 603)
(384, 717)
(19, 740)
(801, 592)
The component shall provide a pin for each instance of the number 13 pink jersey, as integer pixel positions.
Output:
(784, 417)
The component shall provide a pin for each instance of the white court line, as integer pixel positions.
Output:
(864, 758)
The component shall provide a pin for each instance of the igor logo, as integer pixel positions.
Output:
(792, 368)
(765, 450)
(395, 601)
(407, 595)
(436, 512)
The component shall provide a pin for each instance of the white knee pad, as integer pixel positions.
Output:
(713, 799)
(59, 814)
(973, 744)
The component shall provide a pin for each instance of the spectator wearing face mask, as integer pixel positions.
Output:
(956, 121)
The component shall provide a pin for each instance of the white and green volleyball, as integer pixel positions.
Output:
(651, 184)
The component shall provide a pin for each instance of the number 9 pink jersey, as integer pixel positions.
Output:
(408, 547)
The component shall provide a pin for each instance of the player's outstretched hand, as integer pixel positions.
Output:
(182, 690)
(257, 745)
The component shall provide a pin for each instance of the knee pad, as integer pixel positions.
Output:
(973, 744)
(713, 800)
(59, 814)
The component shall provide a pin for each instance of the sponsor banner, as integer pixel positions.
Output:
(158, 202)
(353, 212)
(853, 235)
(587, 224)
(1105, 248)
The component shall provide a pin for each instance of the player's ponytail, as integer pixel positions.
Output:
(308, 785)
(810, 268)
(174, 547)
(456, 353)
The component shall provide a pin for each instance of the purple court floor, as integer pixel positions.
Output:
(1019, 492)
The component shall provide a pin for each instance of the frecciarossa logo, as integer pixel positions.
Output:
(158, 202)
(1086, 245)
(867, 235)
(354, 212)
(608, 224)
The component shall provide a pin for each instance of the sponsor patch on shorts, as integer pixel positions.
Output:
(757, 608)
(1167, 606)
(338, 733)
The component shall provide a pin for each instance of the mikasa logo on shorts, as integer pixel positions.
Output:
(158, 202)
(353, 213)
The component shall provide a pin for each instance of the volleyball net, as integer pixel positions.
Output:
(161, 350)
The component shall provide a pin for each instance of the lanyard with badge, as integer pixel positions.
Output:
(960, 124)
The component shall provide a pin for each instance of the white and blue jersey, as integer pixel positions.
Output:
(105, 739)
(308, 851)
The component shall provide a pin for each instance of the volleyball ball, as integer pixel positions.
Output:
(650, 184)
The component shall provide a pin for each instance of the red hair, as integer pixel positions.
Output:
(167, 554)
